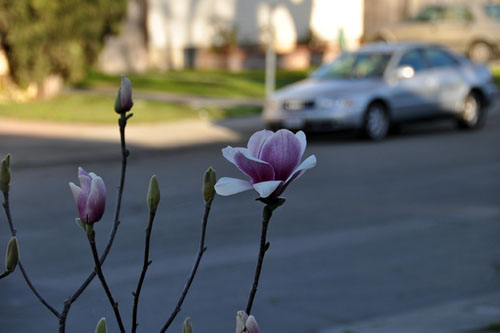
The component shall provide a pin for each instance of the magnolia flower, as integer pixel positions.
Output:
(123, 102)
(90, 197)
(245, 323)
(271, 161)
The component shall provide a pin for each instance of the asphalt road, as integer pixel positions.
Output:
(375, 229)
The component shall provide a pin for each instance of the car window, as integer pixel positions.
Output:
(436, 57)
(430, 14)
(354, 65)
(413, 59)
(492, 11)
(459, 14)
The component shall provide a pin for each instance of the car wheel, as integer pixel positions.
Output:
(472, 114)
(480, 52)
(376, 124)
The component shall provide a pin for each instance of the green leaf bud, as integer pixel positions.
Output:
(187, 327)
(209, 181)
(5, 174)
(101, 326)
(153, 194)
(12, 256)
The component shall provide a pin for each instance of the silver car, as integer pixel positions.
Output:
(384, 84)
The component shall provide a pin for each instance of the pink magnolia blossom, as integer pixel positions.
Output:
(90, 197)
(245, 323)
(271, 160)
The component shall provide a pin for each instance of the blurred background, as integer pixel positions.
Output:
(393, 236)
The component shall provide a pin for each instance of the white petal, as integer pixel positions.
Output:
(75, 190)
(266, 188)
(229, 186)
(308, 163)
(303, 142)
(229, 152)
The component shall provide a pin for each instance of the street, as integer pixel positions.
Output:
(374, 230)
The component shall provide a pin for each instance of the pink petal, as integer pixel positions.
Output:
(85, 180)
(96, 201)
(283, 151)
(230, 186)
(241, 320)
(307, 164)
(265, 189)
(256, 169)
(257, 140)
(80, 200)
(229, 153)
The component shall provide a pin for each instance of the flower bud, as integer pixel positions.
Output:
(186, 327)
(209, 181)
(90, 196)
(245, 323)
(5, 174)
(123, 102)
(101, 326)
(153, 194)
(12, 256)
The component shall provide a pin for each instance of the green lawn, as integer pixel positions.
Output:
(99, 109)
(247, 84)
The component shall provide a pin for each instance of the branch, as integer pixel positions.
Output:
(98, 270)
(145, 266)
(6, 206)
(201, 250)
(125, 153)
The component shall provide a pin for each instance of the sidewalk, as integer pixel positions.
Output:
(462, 316)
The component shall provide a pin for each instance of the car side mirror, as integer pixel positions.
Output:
(405, 72)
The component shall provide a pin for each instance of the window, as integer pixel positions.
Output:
(430, 14)
(457, 14)
(413, 59)
(492, 11)
(436, 57)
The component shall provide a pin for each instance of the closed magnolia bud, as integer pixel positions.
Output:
(101, 326)
(123, 102)
(12, 256)
(5, 174)
(153, 194)
(209, 181)
(187, 327)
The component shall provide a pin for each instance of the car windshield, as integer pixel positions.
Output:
(493, 11)
(354, 65)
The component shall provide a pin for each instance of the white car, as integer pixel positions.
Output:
(384, 84)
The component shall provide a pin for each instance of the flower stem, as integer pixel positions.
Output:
(100, 275)
(271, 205)
(201, 250)
(145, 266)
(124, 153)
(6, 206)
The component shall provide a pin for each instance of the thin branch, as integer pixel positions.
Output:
(271, 205)
(6, 206)
(4, 274)
(100, 275)
(145, 266)
(124, 153)
(201, 250)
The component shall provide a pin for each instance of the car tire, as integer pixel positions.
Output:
(472, 114)
(480, 52)
(376, 122)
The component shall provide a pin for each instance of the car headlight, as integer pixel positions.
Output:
(334, 103)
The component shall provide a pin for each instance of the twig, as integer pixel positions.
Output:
(271, 205)
(6, 206)
(201, 250)
(124, 152)
(145, 266)
(4, 274)
(100, 275)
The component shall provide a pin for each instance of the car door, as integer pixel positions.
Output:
(412, 96)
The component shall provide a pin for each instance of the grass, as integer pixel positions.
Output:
(98, 109)
(247, 84)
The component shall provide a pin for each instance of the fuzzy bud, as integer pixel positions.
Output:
(186, 326)
(153, 194)
(5, 174)
(101, 326)
(12, 256)
(123, 102)
(209, 181)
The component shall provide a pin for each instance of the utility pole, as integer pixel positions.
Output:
(270, 53)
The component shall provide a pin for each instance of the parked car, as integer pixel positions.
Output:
(472, 29)
(384, 84)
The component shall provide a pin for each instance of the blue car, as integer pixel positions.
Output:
(382, 85)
